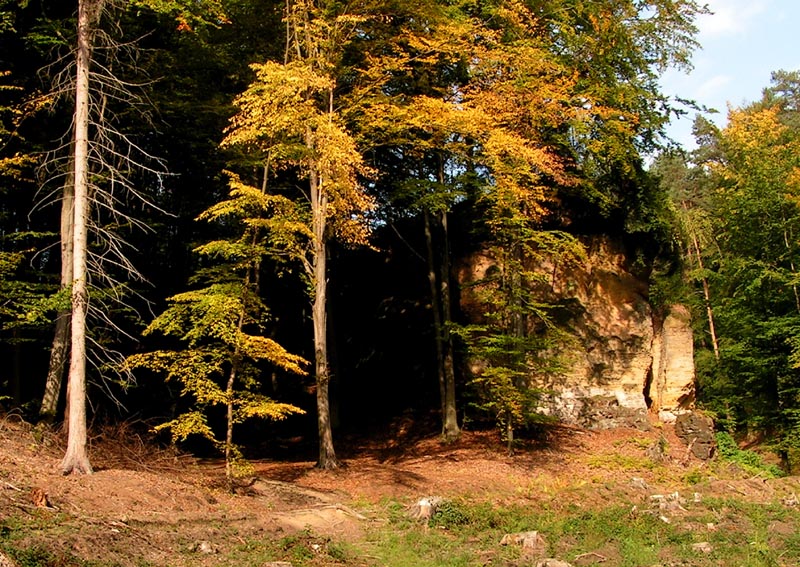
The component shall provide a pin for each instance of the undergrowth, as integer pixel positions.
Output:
(749, 461)
(623, 531)
(621, 534)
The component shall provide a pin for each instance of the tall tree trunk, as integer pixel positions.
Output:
(319, 210)
(509, 434)
(450, 429)
(439, 283)
(16, 368)
(437, 314)
(229, 394)
(229, 422)
(76, 459)
(517, 329)
(60, 348)
(706, 291)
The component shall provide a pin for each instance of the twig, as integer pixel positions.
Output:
(11, 486)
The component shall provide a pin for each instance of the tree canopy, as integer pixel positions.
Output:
(736, 199)
(297, 181)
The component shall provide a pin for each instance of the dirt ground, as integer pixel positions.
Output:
(150, 503)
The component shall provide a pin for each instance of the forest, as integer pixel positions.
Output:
(240, 221)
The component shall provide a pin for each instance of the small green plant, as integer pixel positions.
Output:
(749, 461)
(694, 476)
(338, 552)
(640, 442)
(449, 514)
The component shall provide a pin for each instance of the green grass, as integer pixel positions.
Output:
(745, 535)
(749, 461)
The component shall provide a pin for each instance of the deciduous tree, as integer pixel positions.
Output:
(290, 112)
(220, 326)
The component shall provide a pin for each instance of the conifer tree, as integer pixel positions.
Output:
(99, 162)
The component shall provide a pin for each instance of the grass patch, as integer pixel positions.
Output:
(745, 534)
(617, 461)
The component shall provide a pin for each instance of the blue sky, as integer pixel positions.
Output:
(741, 44)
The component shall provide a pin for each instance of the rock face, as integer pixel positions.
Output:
(672, 386)
(626, 360)
(697, 432)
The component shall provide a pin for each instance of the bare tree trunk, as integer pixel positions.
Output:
(319, 207)
(229, 424)
(450, 429)
(437, 314)
(58, 352)
(440, 305)
(76, 459)
(16, 369)
(706, 292)
(509, 434)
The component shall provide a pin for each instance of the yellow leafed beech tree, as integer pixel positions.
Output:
(473, 97)
(220, 325)
(290, 113)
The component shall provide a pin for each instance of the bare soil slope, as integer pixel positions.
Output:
(149, 506)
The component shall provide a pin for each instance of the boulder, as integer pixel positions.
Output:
(533, 544)
(696, 431)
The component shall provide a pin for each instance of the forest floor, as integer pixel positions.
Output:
(593, 498)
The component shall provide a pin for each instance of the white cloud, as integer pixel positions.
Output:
(729, 17)
(711, 88)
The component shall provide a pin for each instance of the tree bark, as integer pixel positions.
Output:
(319, 211)
(509, 434)
(450, 429)
(440, 306)
(437, 314)
(229, 428)
(76, 459)
(706, 292)
(60, 348)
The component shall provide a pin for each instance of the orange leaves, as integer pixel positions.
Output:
(340, 167)
(522, 173)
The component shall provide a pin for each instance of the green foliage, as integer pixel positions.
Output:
(28, 298)
(449, 514)
(24, 289)
(518, 332)
(736, 214)
(573, 526)
(223, 354)
(188, 13)
(749, 461)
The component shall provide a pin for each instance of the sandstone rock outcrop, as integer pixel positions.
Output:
(672, 387)
(627, 360)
